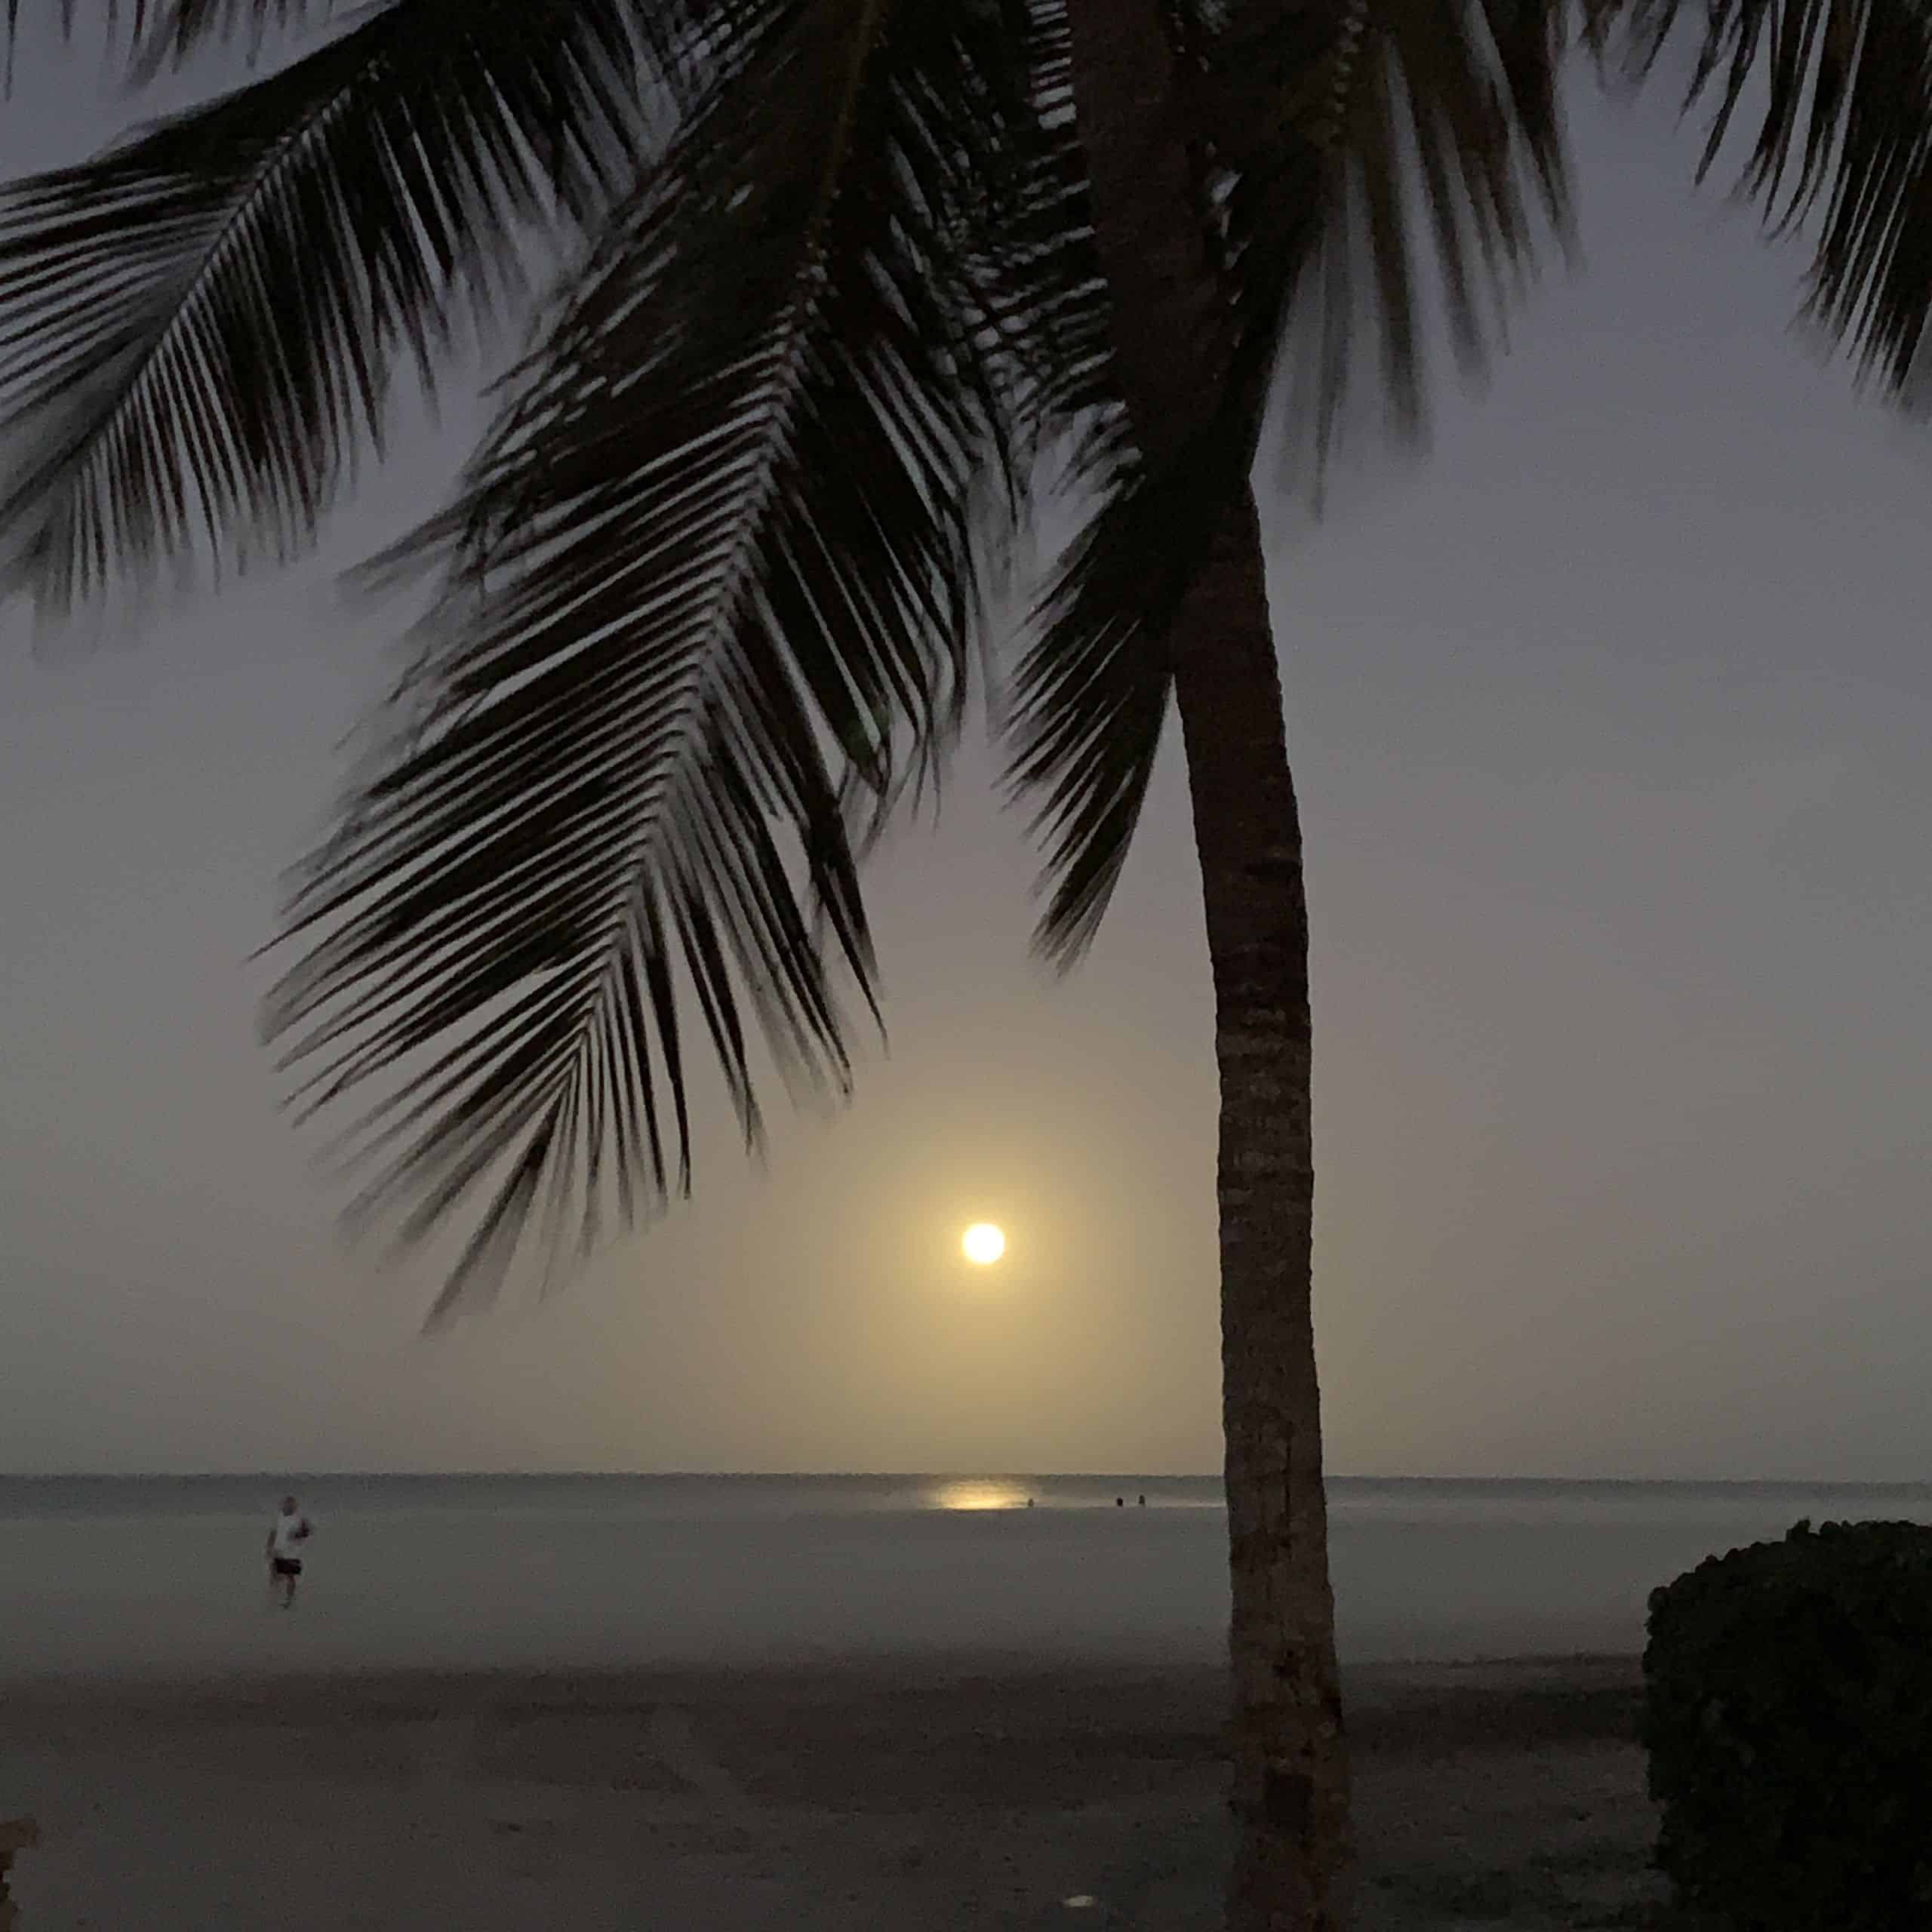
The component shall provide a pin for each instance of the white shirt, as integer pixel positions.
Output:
(288, 1532)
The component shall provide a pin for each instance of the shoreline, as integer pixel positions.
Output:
(1421, 1707)
(963, 1793)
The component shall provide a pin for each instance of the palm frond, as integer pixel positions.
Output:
(1387, 160)
(164, 33)
(168, 33)
(715, 561)
(1320, 135)
(1090, 692)
(1841, 91)
(198, 330)
(1042, 295)
(187, 20)
(132, 18)
(159, 34)
(1361, 165)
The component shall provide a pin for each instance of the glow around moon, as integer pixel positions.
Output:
(982, 1243)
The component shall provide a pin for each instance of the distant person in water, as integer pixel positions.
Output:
(289, 1531)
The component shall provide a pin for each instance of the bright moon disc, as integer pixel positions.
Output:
(983, 1243)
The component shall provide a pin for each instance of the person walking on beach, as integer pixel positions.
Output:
(289, 1532)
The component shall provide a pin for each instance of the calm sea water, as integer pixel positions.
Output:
(163, 1574)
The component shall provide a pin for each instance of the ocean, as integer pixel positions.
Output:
(163, 1575)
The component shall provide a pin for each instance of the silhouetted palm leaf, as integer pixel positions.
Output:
(717, 557)
(165, 31)
(1323, 134)
(1039, 282)
(1090, 694)
(1422, 132)
(709, 590)
(199, 328)
(1841, 93)
(114, 16)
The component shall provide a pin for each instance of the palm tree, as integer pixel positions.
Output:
(850, 288)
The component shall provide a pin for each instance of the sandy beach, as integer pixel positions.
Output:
(943, 1794)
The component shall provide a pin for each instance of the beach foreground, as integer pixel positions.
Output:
(941, 1795)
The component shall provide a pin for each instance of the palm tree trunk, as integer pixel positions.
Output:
(1289, 1788)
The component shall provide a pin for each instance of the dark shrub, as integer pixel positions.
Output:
(1788, 1716)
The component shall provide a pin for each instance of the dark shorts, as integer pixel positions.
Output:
(286, 1565)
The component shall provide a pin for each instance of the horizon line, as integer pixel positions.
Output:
(319, 1474)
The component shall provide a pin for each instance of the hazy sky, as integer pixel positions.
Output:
(1610, 723)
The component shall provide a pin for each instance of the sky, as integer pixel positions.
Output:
(1609, 720)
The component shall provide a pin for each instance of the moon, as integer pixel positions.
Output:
(982, 1243)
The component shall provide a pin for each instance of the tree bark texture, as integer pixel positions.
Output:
(1291, 1780)
(1290, 1790)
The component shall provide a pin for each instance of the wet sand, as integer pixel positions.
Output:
(980, 1794)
